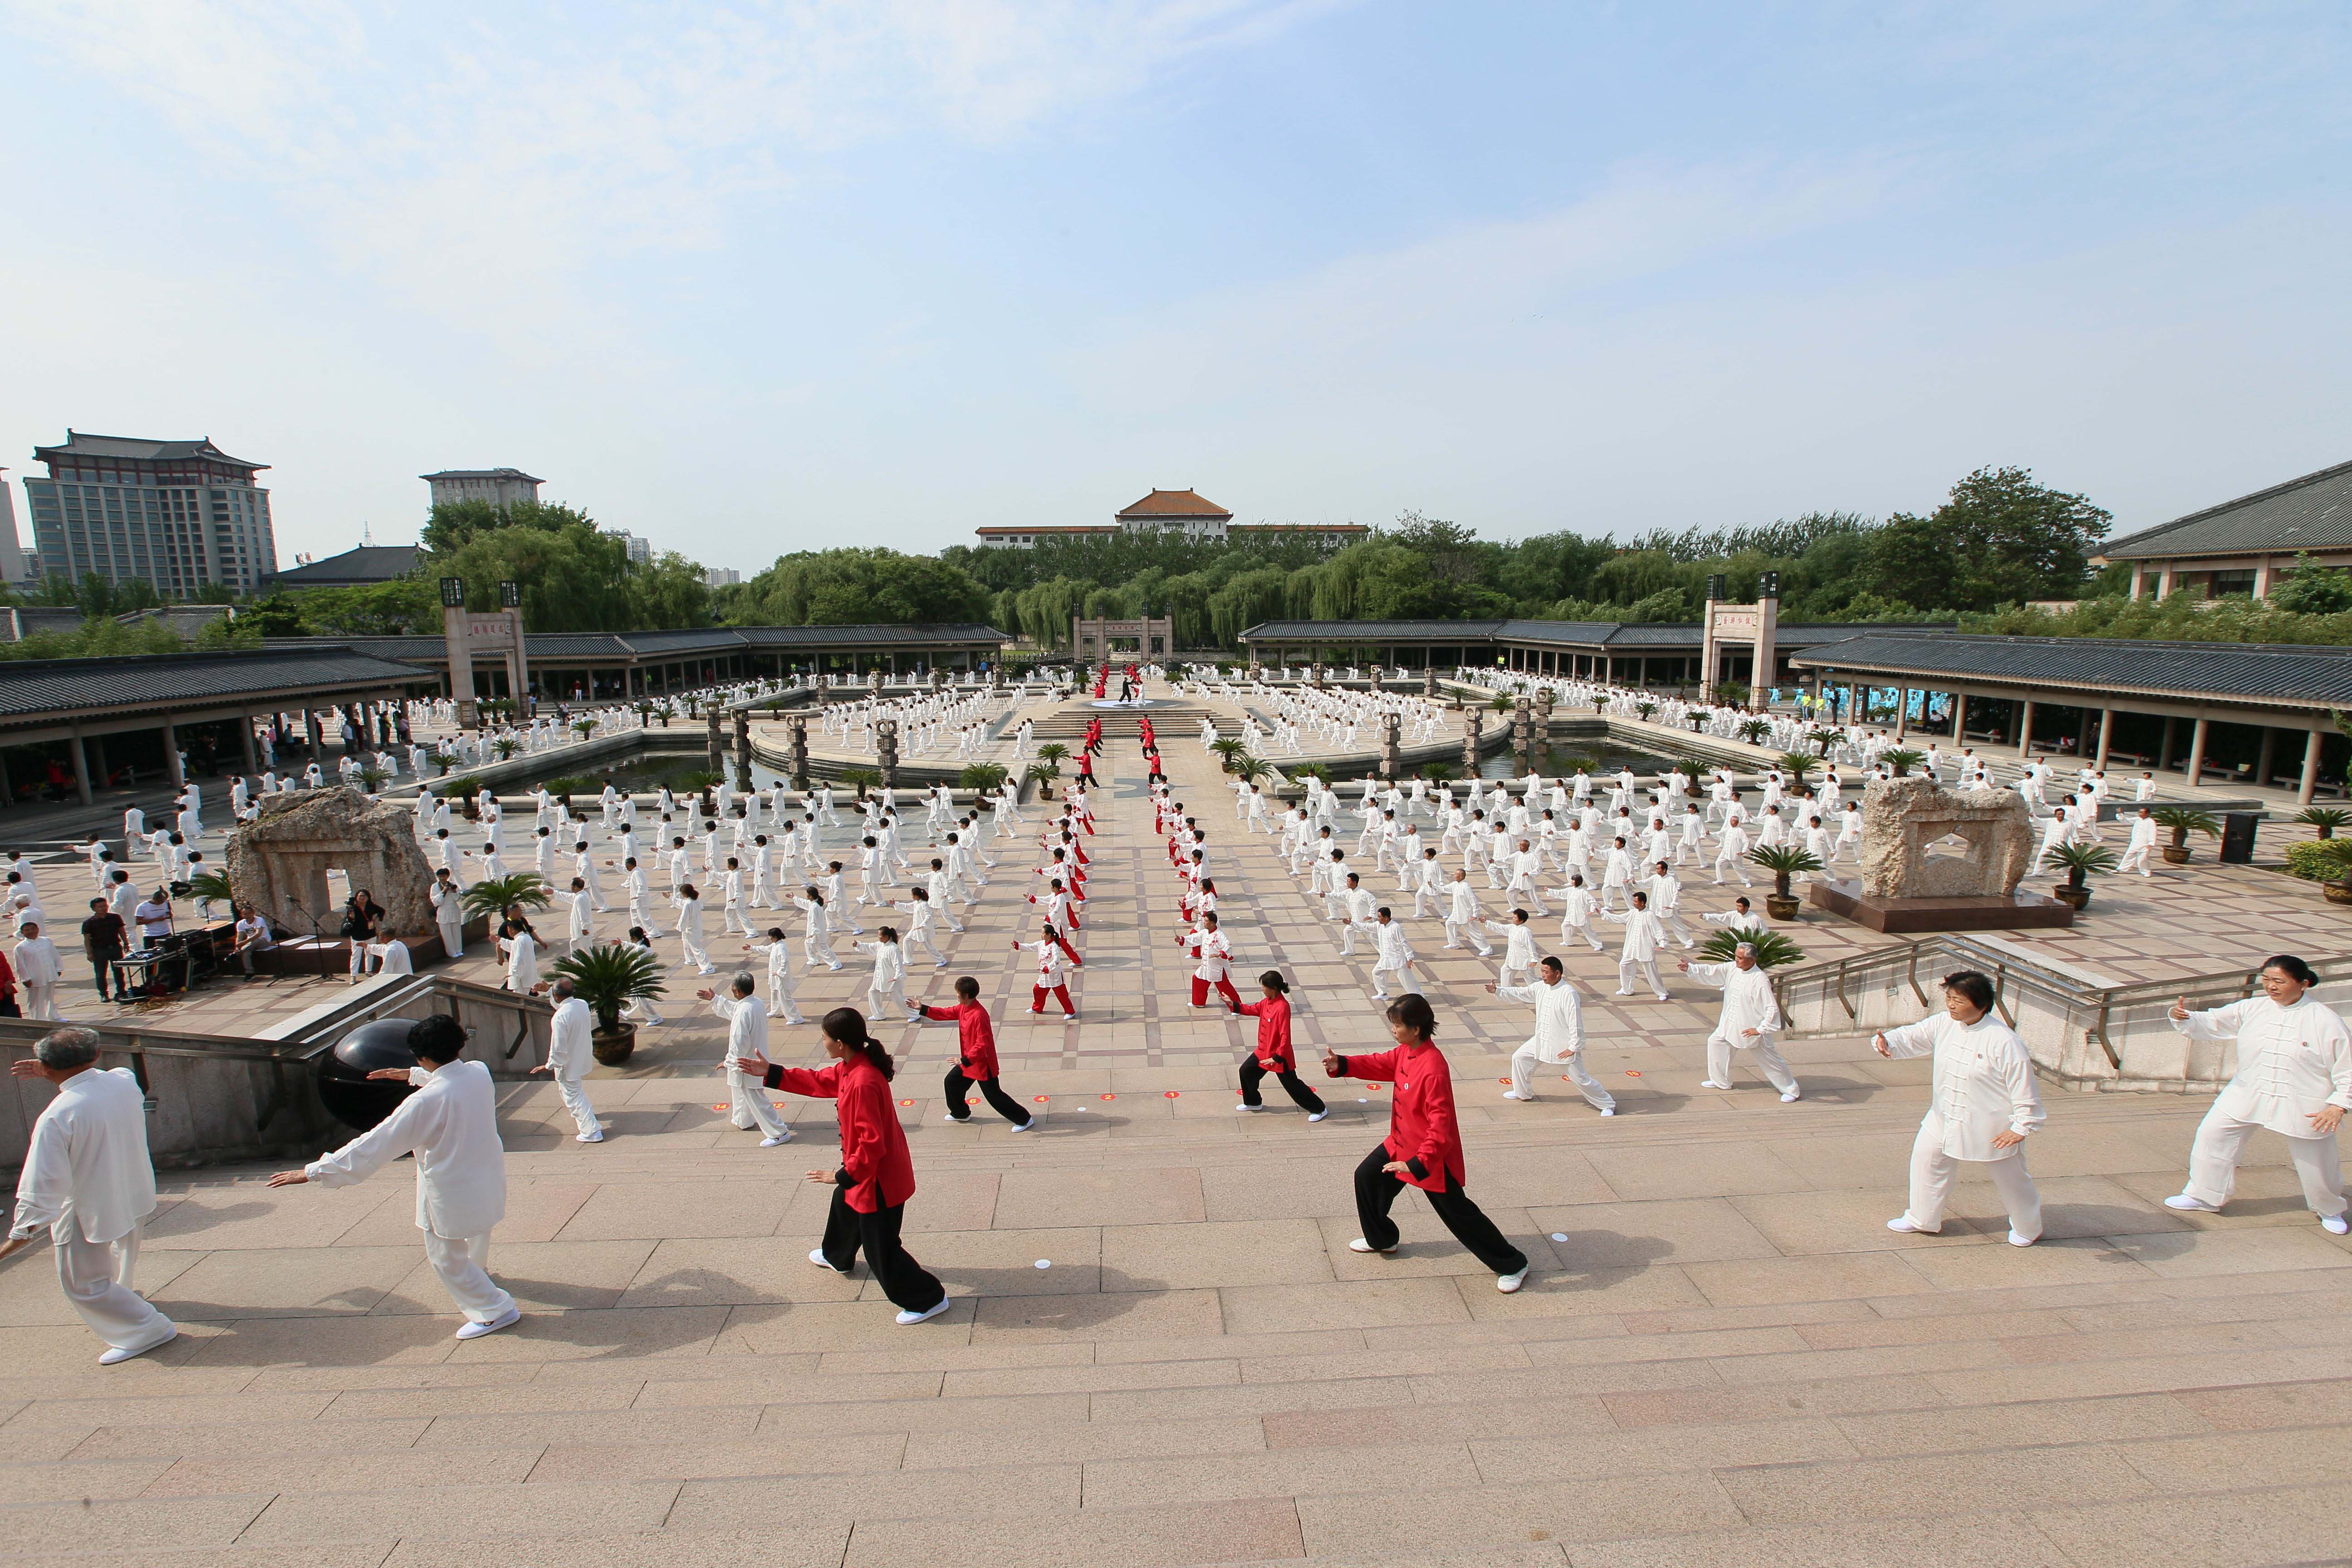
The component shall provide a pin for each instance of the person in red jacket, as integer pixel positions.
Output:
(1423, 1146)
(976, 1057)
(1273, 1054)
(876, 1175)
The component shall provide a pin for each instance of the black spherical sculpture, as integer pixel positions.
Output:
(342, 1073)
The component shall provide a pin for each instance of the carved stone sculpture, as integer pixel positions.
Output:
(280, 864)
(1902, 817)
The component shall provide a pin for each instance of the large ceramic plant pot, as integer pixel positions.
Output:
(612, 1047)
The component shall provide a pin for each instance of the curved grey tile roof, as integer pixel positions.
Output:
(53, 687)
(2286, 675)
(2314, 512)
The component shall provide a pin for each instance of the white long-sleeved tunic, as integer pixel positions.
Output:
(1559, 1017)
(568, 1045)
(451, 1125)
(2291, 1061)
(87, 1168)
(1983, 1082)
(1747, 1004)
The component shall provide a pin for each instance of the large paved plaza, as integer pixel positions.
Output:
(1161, 1350)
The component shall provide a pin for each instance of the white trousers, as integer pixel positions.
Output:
(453, 939)
(752, 1107)
(780, 1000)
(1456, 929)
(97, 1277)
(1673, 921)
(464, 1268)
(41, 1000)
(1932, 1173)
(2221, 1143)
(1404, 982)
(2134, 861)
(1583, 929)
(924, 938)
(575, 1101)
(1723, 861)
(1647, 968)
(1720, 1046)
(1523, 1076)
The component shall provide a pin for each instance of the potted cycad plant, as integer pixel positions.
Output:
(1901, 760)
(2181, 821)
(2324, 819)
(1753, 730)
(2080, 860)
(1772, 949)
(608, 978)
(1784, 861)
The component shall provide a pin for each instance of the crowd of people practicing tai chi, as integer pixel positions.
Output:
(89, 1183)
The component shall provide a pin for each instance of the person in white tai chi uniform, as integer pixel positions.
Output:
(1559, 1039)
(87, 1180)
(1749, 1019)
(570, 1051)
(2294, 1076)
(1982, 1107)
(451, 1125)
(747, 1036)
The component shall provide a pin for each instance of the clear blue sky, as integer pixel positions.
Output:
(753, 279)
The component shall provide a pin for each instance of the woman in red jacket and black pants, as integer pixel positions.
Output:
(1424, 1145)
(976, 1058)
(876, 1175)
(1273, 1054)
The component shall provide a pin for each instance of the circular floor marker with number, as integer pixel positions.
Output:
(1559, 1235)
(1042, 1098)
(1045, 1263)
(1631, 1073)
(1168, 1094)
(906, 1102)
(717, 1107)
(1111, 1096)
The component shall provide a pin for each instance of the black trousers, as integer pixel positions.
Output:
(1252, 1075)
(1376, 1189)
(908, 1285)
(991, 1090)
(104, 970)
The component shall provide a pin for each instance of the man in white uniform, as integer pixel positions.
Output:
(87, 1180)
(747, 1036)
(570, 1050)
(451, 1125)
(1981, 1106)
(2294, 1076)
(1559, 1039)
(1749, 1019)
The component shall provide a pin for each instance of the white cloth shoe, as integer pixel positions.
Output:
(1507, 1283)
(2195, 1206)
(1901, 1222)
(1710, 1083)
(2334, 1224)
(1515, 1094)
(1319, 1115)
(1791, 1097)
(818, 1259)
(2017, 1240)
(115, 1357)
(778, 1140)
(1360, 1245)
(505, 1319)
(908, 1320)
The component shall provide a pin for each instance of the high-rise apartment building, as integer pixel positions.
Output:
(500, 487)
(176, 514)
(720, 577)
(641, 548)
(13, 568)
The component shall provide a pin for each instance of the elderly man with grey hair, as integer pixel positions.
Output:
(87, 1180)
(747, 1036)
(1749, 1019)
(570, 1050)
